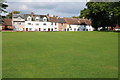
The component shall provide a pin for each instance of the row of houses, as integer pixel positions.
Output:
(32, 22)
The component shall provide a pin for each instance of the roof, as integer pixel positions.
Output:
(72, 21)
(77, 21)
(24, 16)
(61, 20)
(53, 19)
(8, 22)
(85, 21)
(18, 15)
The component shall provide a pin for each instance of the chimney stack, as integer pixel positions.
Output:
(13, 13)
(32, 14)
(48, 15)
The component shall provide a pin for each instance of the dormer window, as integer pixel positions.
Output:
(29, 18)
(55, 24)
(19, 17)
(45, 19)
(37, 19)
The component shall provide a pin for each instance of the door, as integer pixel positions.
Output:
(39, 29)
(26, 29)
(48, 29)
(52, 29)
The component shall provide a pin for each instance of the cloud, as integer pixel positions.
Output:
(54, 8)
(46, 0)
(24, 7)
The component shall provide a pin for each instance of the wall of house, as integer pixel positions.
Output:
(40, 26)
(89, 28)
(79, 28)
(18, 26)
(7, 27)
(62, 27)
(71, 27)
(18, 23)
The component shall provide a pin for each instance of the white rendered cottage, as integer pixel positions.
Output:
(18, 22)
(77, 24)
(31, 22)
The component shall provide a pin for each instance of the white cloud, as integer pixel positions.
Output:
(63, 9)
(46, 0)
(23, 7)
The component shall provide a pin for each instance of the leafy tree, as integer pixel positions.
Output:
(102, 14)
(10, 14)
(3, 6)
(75, 16)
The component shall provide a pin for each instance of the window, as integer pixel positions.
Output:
(44, 24)
(69, 26)
(52, 23)
(29, 18)
(45, 19)
(67, 29)
(62, 24)
(74, 29)
(37, 24)
(44, 29)
(29, 23)
(30, 29)
(37, 19)
(55, 24)
(19, 23)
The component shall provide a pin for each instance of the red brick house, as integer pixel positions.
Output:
(7, 24)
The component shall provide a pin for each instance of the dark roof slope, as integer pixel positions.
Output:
(24, 16)
(53, 19)
(34, 16)
(18, 15)
(61, 20)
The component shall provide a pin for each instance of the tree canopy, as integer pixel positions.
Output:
(102, 14)
(10, 14)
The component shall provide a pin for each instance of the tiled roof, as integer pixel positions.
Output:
(61, 20)
(7, 22)
(77, 21)
(72, 21)
(53, 19)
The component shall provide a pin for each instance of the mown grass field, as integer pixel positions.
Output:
(60, 54)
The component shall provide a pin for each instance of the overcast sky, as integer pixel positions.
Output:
(62, 9)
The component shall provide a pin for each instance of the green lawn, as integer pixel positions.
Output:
(60, 54)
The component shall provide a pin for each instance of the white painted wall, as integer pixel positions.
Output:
(18, 24)
(36, 25)
(79, 28)
(89, 28)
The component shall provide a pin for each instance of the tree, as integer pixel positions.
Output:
(10, 14)
(3, 6)
(75, 16)
(102, 14)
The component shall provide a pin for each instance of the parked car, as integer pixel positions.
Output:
(116, 29)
